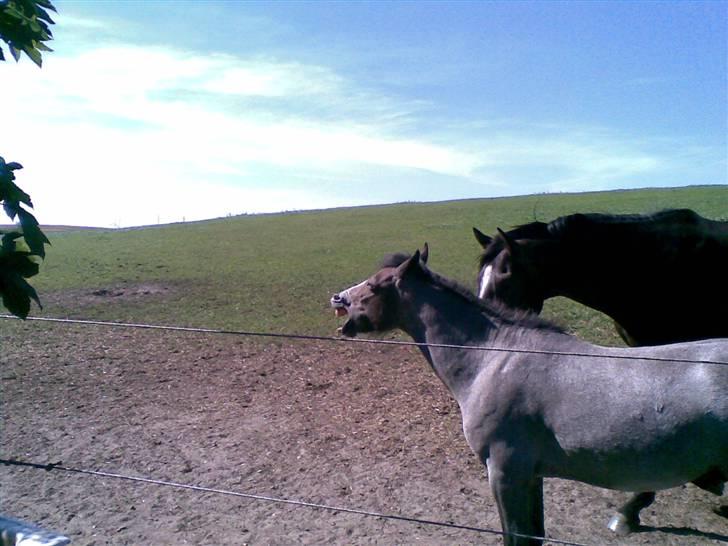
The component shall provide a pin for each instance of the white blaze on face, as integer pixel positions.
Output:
(355, 287)
(484, 280)
(340, 308)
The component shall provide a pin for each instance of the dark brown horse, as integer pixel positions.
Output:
(663, 278)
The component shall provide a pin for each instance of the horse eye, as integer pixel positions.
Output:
(373, 287)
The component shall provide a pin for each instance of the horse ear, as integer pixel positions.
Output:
(425, 253)
(507, 241)
(411, 265)
(482, 238)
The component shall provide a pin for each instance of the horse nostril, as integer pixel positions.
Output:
(336, 299)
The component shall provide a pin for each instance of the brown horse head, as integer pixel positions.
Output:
(507, 272)
(371, 305)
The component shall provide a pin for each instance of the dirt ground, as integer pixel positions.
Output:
(348, 425)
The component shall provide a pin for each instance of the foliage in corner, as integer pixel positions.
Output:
(20, 251)
(24, 27)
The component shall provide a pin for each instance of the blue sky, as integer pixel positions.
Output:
(151, 111)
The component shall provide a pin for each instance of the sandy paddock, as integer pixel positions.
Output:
(348, 425)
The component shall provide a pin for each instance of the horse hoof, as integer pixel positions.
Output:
(621, 526)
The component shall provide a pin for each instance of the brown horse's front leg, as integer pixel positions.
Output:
(519, 496)
(627, 518)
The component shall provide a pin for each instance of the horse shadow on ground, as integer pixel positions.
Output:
(686, 531)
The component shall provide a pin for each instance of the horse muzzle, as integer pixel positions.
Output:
(340, 302)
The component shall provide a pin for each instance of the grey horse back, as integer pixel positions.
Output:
(650, 414)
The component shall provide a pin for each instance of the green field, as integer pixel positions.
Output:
(275, 273)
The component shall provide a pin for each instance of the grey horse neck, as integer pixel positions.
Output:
(441, 312)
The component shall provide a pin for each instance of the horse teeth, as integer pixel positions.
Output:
(339, 312)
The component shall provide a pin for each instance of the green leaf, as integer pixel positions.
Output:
(24, 27)
(43, 16)
(7, 168)
(34, 54)
(15, 267)
(45, 4)
(15, 301)
(10, 192)
(11, 209)
(17, 294)
(32, 233)
(11, 11)
(21, 263)
(7, 243)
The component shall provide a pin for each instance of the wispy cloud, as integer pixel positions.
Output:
(149, 121)
(120, 134)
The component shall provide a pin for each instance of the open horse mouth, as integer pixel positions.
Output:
(340, 305)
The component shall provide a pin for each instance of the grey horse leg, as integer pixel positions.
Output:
(627, 518)
(520, 506)
(714, 481)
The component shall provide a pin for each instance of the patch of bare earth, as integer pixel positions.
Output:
(354, 426)
(115, 293)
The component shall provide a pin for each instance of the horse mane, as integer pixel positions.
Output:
(394, 260)
(494, 309)
(575, 223)
(531, 230)
(582, 226)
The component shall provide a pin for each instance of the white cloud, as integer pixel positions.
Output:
(230, 76)
(73, 22)
(128, 135)
(146, 122)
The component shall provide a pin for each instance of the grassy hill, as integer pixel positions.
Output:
(276, 272)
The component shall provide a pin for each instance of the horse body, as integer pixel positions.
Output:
(607, 439)
(597, 419)
(660, 277)
(628, 424)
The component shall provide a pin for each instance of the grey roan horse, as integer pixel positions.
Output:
(554, 406)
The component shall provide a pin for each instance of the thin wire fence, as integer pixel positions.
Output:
(58, 466)
(365, 340)
(264, 498)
